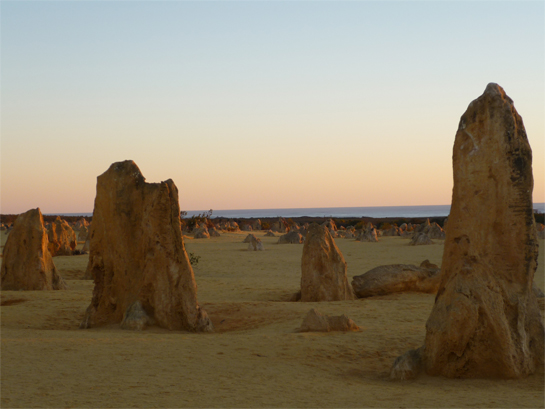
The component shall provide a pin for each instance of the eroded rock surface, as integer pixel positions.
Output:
(395, 278)
(62, 238)
(323, 268)
(141, 270)
(26, 261)
(486, 320)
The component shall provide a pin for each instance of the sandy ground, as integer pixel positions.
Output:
(256, 357)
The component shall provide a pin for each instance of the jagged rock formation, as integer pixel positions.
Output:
(270, 234)
(486, 320)
(395, 278)
(323, 268)
(138, 258)
(26, 261)
(62, 238)
(316, 322)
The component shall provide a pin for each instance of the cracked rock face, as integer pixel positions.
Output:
(138, 260)
(486, 321)
(27, 263)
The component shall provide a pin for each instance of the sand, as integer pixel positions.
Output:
(256, 357)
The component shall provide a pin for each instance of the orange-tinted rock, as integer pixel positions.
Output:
(138, 260)
(62, 238)
(26, 262)
(486, 320)
(395, 278)
(323, 268)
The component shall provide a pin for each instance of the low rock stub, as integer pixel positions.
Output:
(315, 321)
(420, 239)
(395, 278)
(62, 238)
(323, 268)
(486, 322)
(255, 244)
(138, 260)
(26, 263)
(292, 237)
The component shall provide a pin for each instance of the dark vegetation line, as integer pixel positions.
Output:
(380, 222)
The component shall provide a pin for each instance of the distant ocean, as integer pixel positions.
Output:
(336, 212)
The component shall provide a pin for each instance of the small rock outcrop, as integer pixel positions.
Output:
(395, 278)
(420, 239)
(255, 244)
(270, 234)
(62, 238)
(392, 231)
(141, 270)
(248, 238)
(368, 234)
(213, 232)
(435, 232)
(26, 262)
(486, 321)
(202, 233)
(292, 237)
(323, 268)
(256, 225)
(279, 226)
(316, 322)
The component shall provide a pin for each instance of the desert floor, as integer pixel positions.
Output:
(256, 357)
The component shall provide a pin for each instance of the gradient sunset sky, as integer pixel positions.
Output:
(257, 104)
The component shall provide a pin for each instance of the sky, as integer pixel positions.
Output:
(257, 104)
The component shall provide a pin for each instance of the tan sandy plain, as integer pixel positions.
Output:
(256, 357)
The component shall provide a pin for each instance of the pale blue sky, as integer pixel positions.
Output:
(257, 104)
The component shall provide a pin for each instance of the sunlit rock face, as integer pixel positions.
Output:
(323, 268)
(26, 261)
(137, 256)
(62, 238)
(486, 321)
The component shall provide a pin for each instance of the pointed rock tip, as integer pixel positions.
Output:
(494, 89)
